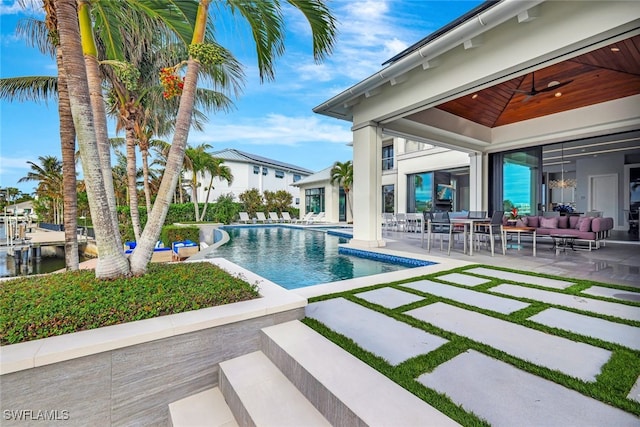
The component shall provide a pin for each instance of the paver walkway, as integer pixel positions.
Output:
(390, 339)
(490, 388)
(517, 397)
(528, 344)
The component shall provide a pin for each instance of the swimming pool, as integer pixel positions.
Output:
(295, 258)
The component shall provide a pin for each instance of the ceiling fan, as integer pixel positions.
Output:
(533, 92)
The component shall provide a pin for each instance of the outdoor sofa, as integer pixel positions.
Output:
(585, 229)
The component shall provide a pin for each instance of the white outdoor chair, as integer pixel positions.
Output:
(305, 218)
(286, 217)
(316, 218)
(273, 217)
(244, 217)
(260, 217)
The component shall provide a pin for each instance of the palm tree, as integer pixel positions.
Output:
(44, 35)
(48, 174)
(196, 161)
(215, 169)
(342, 173)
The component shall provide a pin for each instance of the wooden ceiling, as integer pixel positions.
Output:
(598, 76)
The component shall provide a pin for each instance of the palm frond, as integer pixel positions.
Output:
(36, 34)
(33, 88)
(322, 23)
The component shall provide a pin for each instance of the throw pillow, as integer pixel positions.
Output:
(549, 222)
(573, 222)
(533, 221)
(525, 221)
(563, 222)
(584, 223)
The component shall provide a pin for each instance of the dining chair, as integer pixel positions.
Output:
(490, 230)
(439, 223)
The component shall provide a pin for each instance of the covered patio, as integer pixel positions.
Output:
(500, 84)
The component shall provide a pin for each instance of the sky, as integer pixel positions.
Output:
(272, 119)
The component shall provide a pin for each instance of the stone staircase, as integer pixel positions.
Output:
(300, 378)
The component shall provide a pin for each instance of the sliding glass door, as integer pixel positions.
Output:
(516, 181)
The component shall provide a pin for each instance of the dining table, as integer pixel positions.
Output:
(469, 225)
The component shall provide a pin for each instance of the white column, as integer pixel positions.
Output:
(367, 184)
(478, 192)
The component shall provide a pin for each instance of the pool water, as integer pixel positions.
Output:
(295, 258)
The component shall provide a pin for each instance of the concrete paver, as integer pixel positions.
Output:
(389, 297)
(581, 303)
(463, 279)
(605, 330)
(517, 397)
(522, 278)
(382, 335)
(601, 291)
(578, 360)
(467, 296)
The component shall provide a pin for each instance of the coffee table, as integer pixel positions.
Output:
(506, 229)
(562, 241)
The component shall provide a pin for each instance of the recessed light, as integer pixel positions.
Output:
(615, 49)
(475, 95)
(558, 94)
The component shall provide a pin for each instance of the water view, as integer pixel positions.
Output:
(295, 258)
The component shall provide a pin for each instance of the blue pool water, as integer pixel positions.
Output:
(295, 258)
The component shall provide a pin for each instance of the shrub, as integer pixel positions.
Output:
(174, 233)
(43, 306)
(252, 202)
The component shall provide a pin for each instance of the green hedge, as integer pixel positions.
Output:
(174, 233)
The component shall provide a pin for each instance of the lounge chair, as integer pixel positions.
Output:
(305, 218)
(260, 217)
(286, 217)
(317, 218)
(182, 250)
(244, 217)
(273, 217)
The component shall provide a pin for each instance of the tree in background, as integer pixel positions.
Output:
(216, 169)
(49, 191)
(278, 201)
(342, 173)
(252, 202)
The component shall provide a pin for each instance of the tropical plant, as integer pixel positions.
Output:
(215, 169)
(277, 201)
(267, 23)
(49, 190)
(342, 173)
(252, 201)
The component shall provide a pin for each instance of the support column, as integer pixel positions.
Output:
(477, 188)
(367, 186)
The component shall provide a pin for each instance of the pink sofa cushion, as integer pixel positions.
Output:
(532, 221)
(573, 221)
(584, 223)
(563, 222)
(549, 222)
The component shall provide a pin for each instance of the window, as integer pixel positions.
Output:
(419, 192)
(388, 198)
(314, 200)
(265, 171)
(387, 157)
(516, 180)
(297, 200)
(256, 170)
(279, 174)
(296, 177)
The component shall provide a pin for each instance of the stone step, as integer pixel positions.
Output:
(259, 394)
(205, 409)
(343, 388)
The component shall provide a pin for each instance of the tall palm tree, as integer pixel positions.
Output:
(268, 30)
(215, 169)
(44, 36)
(196, 161)
(48, 174)
(342, 173)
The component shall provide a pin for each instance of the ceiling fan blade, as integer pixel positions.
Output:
(554, 87)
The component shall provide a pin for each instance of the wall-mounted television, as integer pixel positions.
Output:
(444, 193)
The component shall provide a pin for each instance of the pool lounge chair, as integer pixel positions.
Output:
(244, 217)
(273, 217)
(286, 217)
(305, 218)
(260, 217)
(183, 250)
(316, 218)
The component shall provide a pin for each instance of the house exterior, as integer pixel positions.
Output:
(318, 194)
(252, 171)
(542, 96)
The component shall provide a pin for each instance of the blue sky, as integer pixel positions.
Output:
(273, 119)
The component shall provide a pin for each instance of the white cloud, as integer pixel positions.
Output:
(276, 129)
(14, 7)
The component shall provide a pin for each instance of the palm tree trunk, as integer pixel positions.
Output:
(69, 182)
(94, 78)
(131, 178)
(194, 196)
(111, 260)
(140, 258)
(206, 201)
(145, 178)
